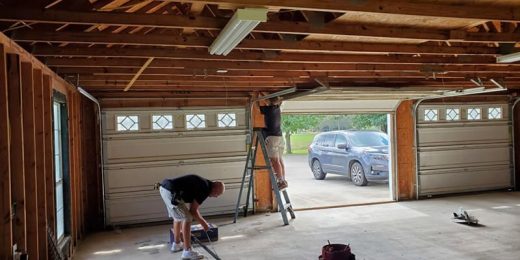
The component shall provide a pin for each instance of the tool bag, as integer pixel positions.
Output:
(336, 252)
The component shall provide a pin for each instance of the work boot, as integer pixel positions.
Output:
(176, 247)
(191, 255)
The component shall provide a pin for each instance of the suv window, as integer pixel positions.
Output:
(319, 140)
(329, 140)
(340, 139)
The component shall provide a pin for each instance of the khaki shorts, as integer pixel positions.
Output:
(179, 212)
(275, 146)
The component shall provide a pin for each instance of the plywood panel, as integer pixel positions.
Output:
(17, 159)
(29, 149)
(6, 231)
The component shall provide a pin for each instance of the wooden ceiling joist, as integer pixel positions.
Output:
(168, 54)
(248, 44)
(465, 11)
(402, 44)
(256, 68)
(136, 76)
(276, 27)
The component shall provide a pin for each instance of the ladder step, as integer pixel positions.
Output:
(287, 206)
(257, 168)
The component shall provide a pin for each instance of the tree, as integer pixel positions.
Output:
(296, 123)
(370, 121)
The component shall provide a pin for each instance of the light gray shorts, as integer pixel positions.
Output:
(275, 146)
(179, 212)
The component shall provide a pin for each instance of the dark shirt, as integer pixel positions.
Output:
(272, 119)
(188, 187)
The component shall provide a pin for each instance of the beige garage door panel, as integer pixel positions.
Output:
(138, 158)
(464, 156)
(140, 207)
(133, 177)
(481, 180)
(455, 134)
(464, 147)
(338, 106)
(169, 147)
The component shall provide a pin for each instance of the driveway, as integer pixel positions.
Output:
(334, 190)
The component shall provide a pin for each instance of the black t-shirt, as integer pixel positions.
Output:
(272, 119)
(189, 187)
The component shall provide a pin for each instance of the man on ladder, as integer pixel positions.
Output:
(274, 139)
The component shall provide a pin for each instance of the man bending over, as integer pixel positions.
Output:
(183, 197)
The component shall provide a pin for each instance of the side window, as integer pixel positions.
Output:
(340, 139)
(320, 140)
(329, 140)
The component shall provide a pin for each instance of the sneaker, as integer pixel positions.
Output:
(191, 255)
(176, 247)
(282, 185)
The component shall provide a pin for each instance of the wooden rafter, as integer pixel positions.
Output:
(281, 27)
(266, 57)
(136, 76)
(484, 12)
(247, 44)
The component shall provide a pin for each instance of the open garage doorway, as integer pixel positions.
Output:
(338, 158)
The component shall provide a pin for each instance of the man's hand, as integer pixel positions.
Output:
(205, 225)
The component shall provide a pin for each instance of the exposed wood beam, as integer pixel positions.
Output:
(288, 75)
(119, 103)
(48, 152)
(247, 44)
(470, 11)
(29, 150)
(136, 76)
(6, 225)
(17, 158)
(40, 163)
(313, 58)
(260, 69)
(278, 27)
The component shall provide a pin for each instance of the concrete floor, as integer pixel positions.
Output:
(307, 192)
(402, 230)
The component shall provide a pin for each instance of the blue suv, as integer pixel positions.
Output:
(360, 155)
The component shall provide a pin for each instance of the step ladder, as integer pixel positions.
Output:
(282, 197)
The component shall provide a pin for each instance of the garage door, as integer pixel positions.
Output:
(463, 147)
(144, 146)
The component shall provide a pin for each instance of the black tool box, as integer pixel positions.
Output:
(198, 232)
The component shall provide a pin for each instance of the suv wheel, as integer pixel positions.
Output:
(357, 174)
(317, 171)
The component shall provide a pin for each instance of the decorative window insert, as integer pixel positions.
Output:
(127, 123)
(495, 113)
(452, 114)
(474, 114)
(227, 120)
(431, 115)
(162, 122)
(195, 121)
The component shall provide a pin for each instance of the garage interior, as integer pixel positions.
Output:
(101, 99)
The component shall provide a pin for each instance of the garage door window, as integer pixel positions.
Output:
(495, 113)
(431, 115)
(474, 114)
(195, 121)
(127, 123)
(452, 114)
(162, 122)
(227, 120)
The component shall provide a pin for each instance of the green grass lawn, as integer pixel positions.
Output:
(300, 142)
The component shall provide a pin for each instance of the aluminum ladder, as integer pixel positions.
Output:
(282, 197)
